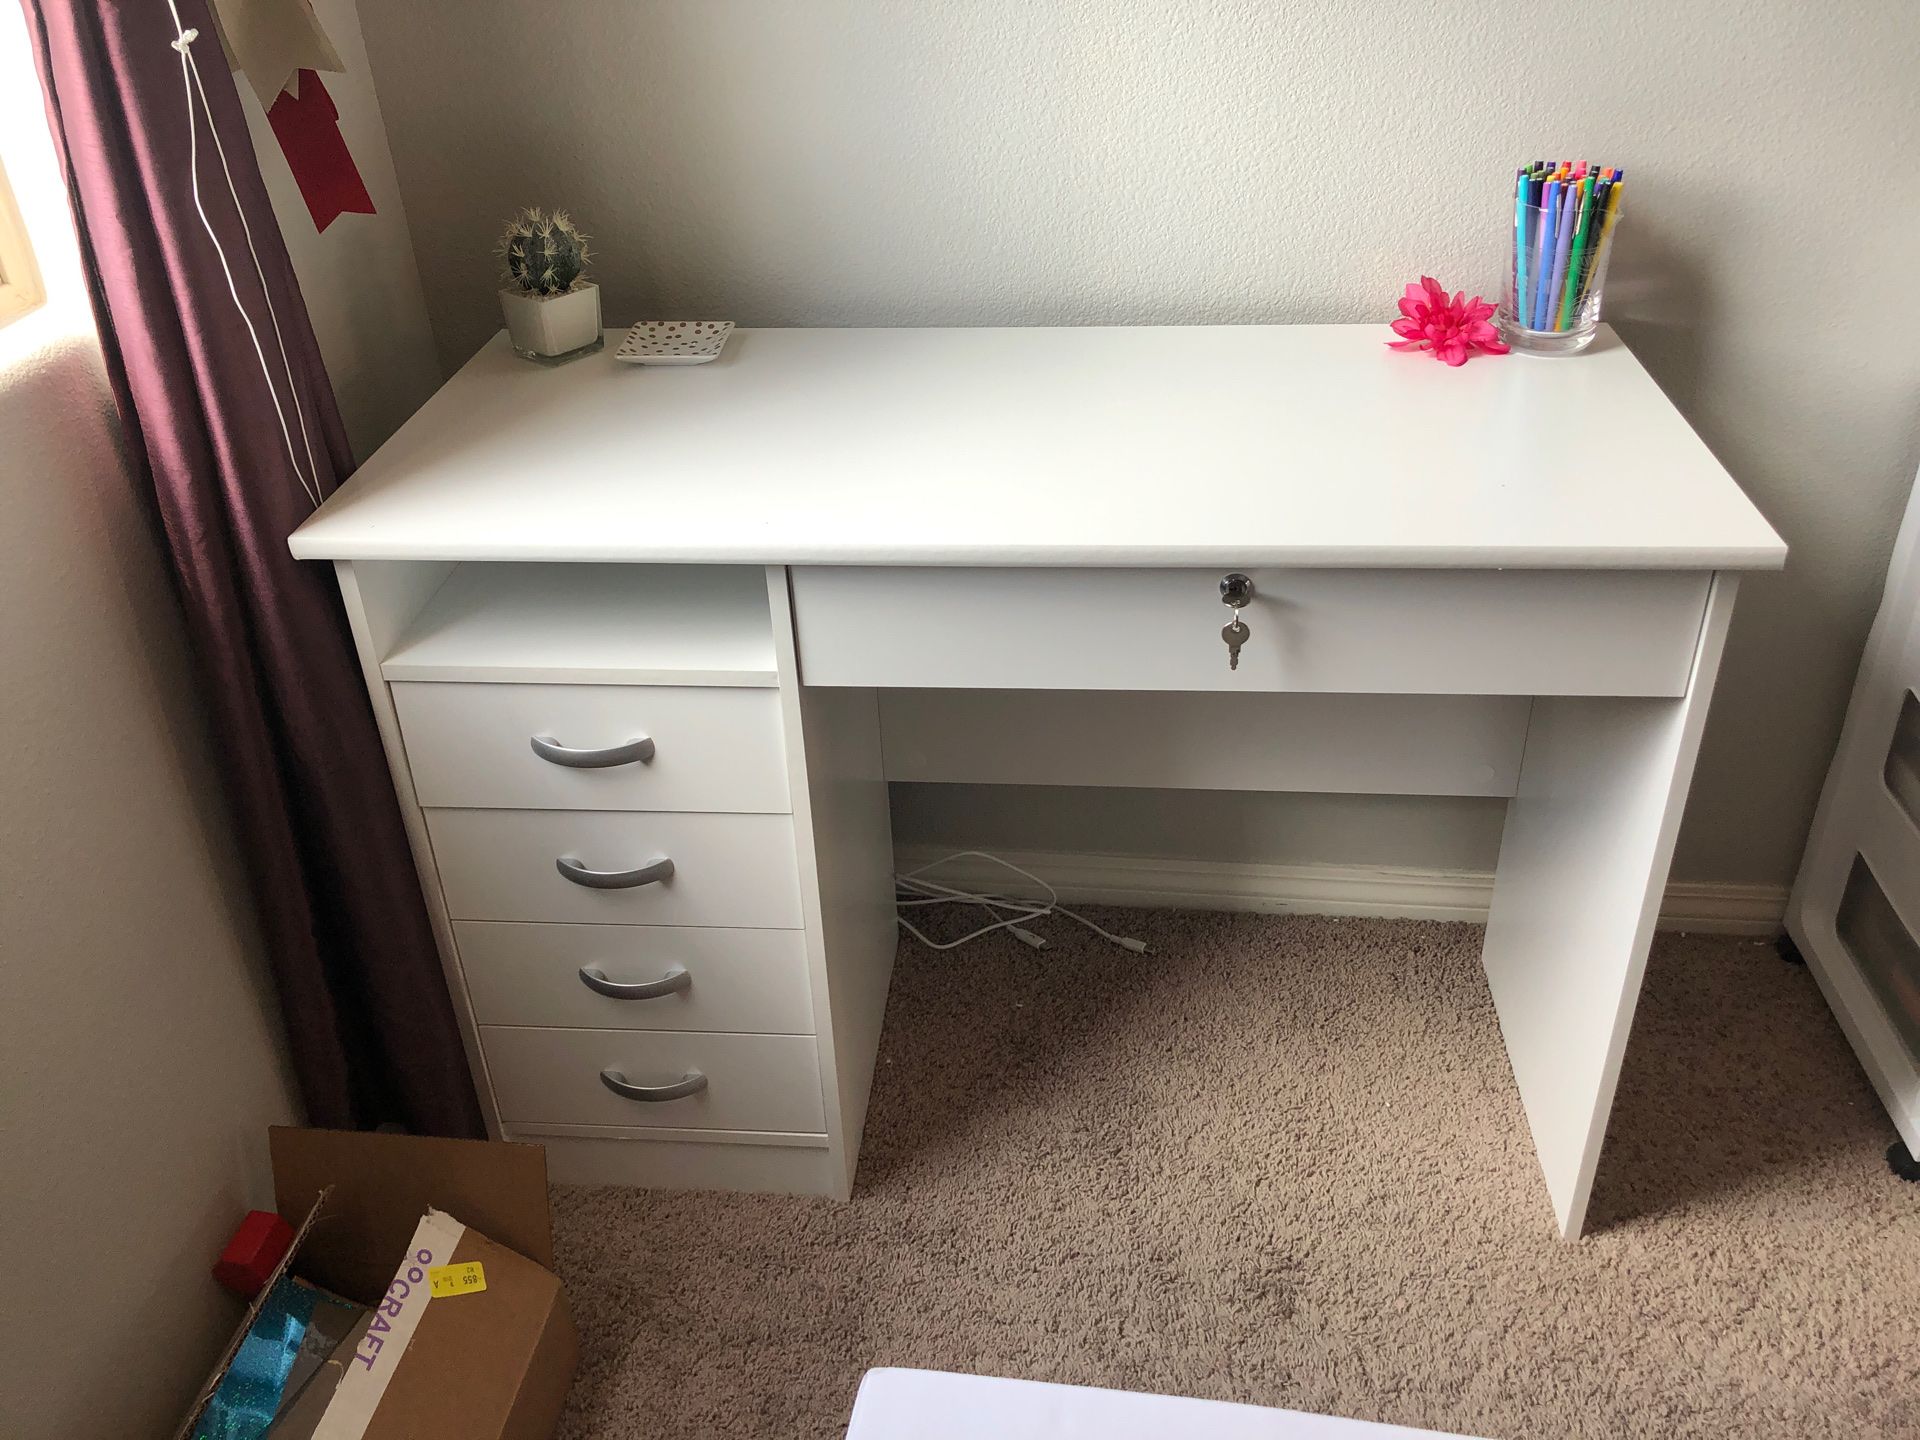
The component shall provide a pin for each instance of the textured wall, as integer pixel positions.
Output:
(846, 162)
(140, 1050)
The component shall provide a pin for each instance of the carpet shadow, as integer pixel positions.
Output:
(1015, 1042)
(1728, 1089)
(1208, 1031)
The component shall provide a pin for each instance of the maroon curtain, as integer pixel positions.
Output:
(370, 1026)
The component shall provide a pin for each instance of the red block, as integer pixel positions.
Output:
(256, 1247)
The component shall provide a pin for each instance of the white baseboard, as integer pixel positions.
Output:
(1324, 889)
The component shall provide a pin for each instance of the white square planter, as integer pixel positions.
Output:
(553, 327)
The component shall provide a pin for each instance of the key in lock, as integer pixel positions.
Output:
(1236, 590)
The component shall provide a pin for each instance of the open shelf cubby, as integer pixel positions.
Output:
(591, 624)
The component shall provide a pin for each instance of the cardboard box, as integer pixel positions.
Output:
(449, 1244)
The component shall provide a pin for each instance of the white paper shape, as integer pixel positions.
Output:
(272, 41)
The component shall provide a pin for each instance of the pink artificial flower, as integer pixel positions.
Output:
(1451, 329)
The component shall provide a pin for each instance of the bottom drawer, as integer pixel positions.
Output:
(719, 1160)
(750, 981)
(752, 1082)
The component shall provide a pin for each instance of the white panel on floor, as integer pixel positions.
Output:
(930, 1405)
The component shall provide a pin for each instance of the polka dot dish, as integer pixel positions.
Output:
(674, 342)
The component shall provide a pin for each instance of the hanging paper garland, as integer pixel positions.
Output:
(308, 127)
(279, 46)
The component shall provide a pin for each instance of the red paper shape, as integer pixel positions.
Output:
(308, 128)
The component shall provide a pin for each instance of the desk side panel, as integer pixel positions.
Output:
(844, 835)
(381, 598)
(1583, 864)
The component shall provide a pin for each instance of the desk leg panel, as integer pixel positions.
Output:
(1583, 863)
(844, 839)
(380, 598)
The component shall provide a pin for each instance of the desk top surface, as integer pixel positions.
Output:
(1192, 445)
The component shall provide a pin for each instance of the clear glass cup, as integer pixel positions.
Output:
(1559, 316)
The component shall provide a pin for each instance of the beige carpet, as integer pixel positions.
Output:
(1282, 1161)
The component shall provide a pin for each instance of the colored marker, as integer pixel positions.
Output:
(1563, 274)
(1562, 246)
(1521, 187)
(1543, 256)
(1612, 214)
(1576, 256)
(1602, 193)
(1603, 231)
(1553, 259)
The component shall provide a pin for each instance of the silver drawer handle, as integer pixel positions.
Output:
(650, 873)
(634, 752)
(691, 1083)
(674, 981)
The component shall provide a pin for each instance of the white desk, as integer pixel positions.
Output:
(839, 555)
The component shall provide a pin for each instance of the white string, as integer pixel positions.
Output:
(259, 272)
(921, 891)
(190, 83)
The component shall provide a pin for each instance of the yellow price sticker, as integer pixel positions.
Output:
(467, 1279)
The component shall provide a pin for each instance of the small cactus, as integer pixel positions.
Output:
(544, 254)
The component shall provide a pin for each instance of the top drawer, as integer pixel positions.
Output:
(714, 748)
(1407, 632)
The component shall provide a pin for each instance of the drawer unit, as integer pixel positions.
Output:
(594, 747)
(731, 870)
(636, 977)
(1409, 632)
(738, 1082)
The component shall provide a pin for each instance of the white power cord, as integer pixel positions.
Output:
(912, 890)
(190, 82)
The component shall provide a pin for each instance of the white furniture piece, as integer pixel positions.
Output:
(1854, 914)
(645, 645)
(937, 1405)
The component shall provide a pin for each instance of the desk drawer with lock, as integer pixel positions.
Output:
(1408, 632)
